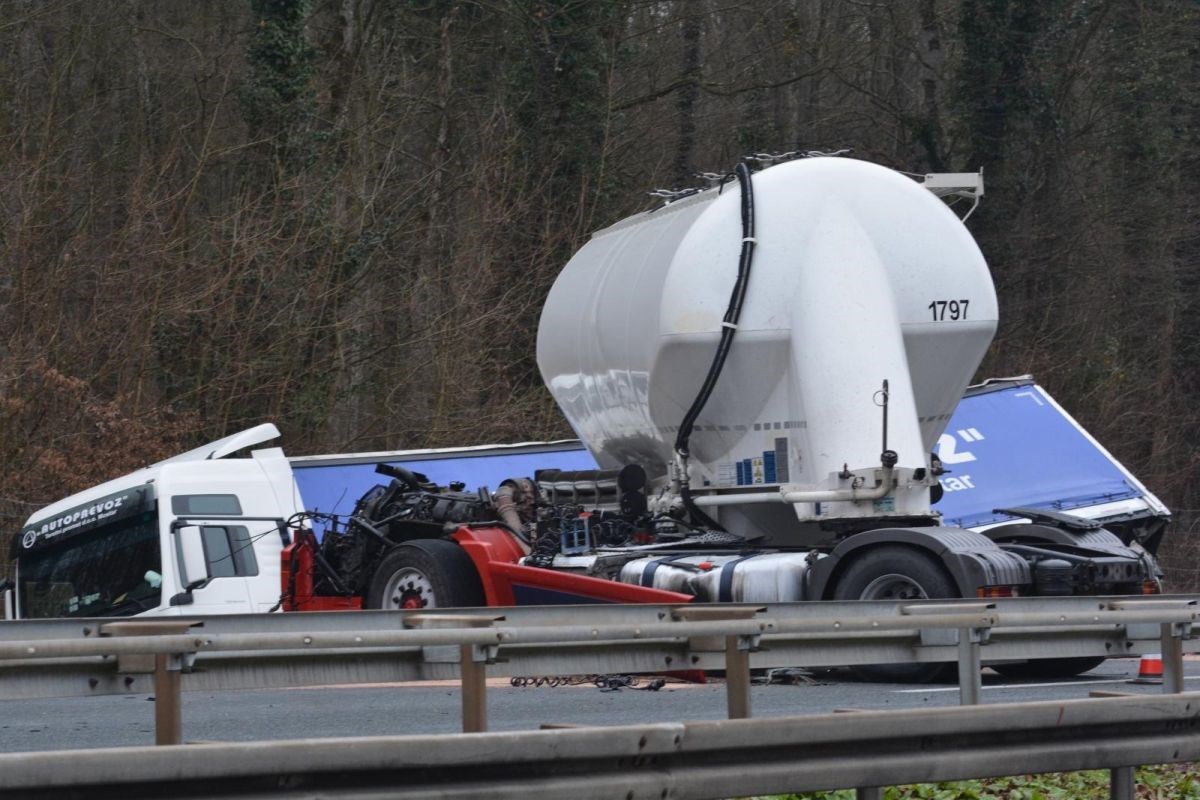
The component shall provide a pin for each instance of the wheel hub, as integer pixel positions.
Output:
(409, 589)
(893, 586)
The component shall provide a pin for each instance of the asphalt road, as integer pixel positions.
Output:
(67, 723)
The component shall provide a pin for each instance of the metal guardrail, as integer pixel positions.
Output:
(683, 761)
(169, 655)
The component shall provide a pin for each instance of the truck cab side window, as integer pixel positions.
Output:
(195, 505)
(229, 551)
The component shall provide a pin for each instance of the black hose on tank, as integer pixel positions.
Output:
(728, 328)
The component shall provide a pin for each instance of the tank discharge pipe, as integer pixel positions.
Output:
(801, 495)
(728, 328)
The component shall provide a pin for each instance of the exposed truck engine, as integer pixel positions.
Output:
(761, 371)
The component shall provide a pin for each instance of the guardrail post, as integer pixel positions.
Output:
(472, 663)
(1174, 618)
(737, 651)
(868, 793)
(166, 667)
(474, 690)
(168, 705)
(970, 666)
(970, 639)
(737, 677)
(1172, 655)
(1121, 784)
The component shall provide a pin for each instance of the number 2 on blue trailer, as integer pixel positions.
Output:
(943, 310)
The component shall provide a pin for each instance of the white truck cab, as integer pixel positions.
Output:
(199, 533)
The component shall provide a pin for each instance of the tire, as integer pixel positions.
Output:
(425, 573)
(897, 573)
(1049, 667)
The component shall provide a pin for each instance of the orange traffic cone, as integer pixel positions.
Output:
(1150, 669)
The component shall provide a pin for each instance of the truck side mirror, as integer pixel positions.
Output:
(191, 561)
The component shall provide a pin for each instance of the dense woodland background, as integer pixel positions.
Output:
(343, 215)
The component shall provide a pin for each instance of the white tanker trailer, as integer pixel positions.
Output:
(853, 277)
(761, 371)
(779, 356)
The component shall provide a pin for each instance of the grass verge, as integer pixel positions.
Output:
(1165, 782)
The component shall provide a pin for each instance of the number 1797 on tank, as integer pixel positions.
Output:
(943, 310)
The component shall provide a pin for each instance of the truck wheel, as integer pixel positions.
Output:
(425, 573)
(896, 573)
(1049, 667)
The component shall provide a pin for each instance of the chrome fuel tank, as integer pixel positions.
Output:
(756, 578)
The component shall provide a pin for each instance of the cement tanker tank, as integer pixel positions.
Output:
(859, 275)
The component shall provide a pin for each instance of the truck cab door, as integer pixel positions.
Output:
(215, 562)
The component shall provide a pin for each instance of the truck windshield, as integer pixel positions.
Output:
(115, 571)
